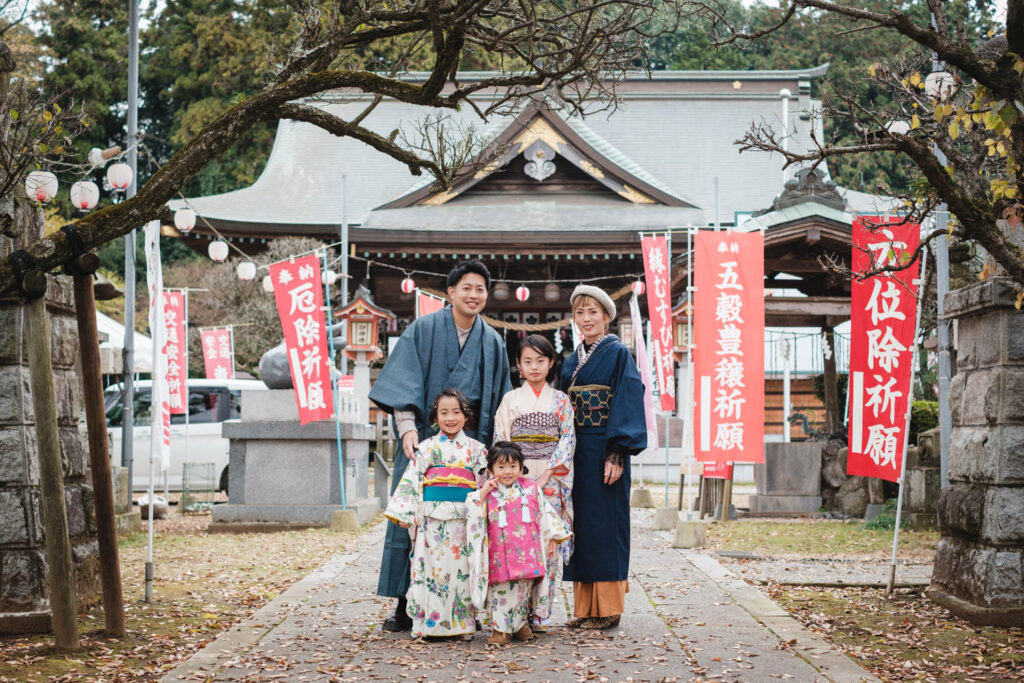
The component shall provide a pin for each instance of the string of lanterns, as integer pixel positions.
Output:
(42, 186)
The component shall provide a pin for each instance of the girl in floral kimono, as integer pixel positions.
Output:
(512, 529)
(430, 501)
(539, 419)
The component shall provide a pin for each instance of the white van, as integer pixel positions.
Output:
(211, 402)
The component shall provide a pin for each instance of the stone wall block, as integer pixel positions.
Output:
(989, 339)
(959, 567)
(972, 454)
(1010, 460)
(89, 509)
(76, 460)
(966, 356)
(15, 397)
(956, 396)
(60, 295)
(980, 398)
(67, 391)
(1003, 517)
(1011, 401)
(1005, 584)
(1014, 338)
(34, 511)
(23, 581)
(962, 509)
(10, 334)
(75, 513)
(14, 528)
(13, 468)
(63, 341)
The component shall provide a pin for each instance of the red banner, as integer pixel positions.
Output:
(299, 298)
(427, 304)
(883, 322)
(729, 355)
(218, 353)
(657, 273)
(177, 343)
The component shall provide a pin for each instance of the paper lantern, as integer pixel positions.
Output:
(408, 285)
(522, 293)
(639, 288)
(551, 292)
(501, 291)
(268, 284)
(328, 277)
(119, 176)
(898, 127)
(184, 219)
(218, 250)
(939, 85)
(41, 186)
(246, 270)
(84, 195)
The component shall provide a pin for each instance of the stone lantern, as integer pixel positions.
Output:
(362, 319)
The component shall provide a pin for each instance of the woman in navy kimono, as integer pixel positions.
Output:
(607, 394)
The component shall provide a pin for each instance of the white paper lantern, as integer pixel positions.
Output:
(522, 293)
(268, 284)
(328, 277)
(939, 85)
(218, 250)
(551, 292)
(41, 186)
(119, 176)
(84, 195)
(184, 219)
(898, 127)
(408, 285)
(246, 270)
(639, 288)
(501, 291)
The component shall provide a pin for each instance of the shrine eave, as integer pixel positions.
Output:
(810, 311)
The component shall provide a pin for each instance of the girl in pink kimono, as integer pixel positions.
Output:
(539, 419)
(512, 530)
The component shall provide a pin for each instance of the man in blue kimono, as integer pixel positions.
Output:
(450, 348)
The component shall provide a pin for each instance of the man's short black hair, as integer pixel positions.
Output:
(462, 269)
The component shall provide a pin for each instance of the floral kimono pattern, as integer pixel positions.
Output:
(509, 604)
(439, 601)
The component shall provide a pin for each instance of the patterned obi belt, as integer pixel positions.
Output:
(591, 403)
(448, 484)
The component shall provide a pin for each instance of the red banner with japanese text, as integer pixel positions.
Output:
(716, 470)
(177, 342)
(299, 297)
(728, 330)
(427, 304)
(658, 276)
(883, 321)
(218, 353)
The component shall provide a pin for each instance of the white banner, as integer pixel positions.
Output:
(160, 408)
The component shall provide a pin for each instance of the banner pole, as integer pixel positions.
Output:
(906, 436)
(668, 385)
(688, 425)
(334, 383)
(188, 396)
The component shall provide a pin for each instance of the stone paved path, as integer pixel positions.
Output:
(874, 573)
(687, 618)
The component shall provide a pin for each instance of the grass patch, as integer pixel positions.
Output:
(818, 538)
(906, 636)
(204, 584)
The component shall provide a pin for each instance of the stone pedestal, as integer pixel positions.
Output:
(979, 565)
(24, 603)
(284, 473)
(789, 480)
(922, 482)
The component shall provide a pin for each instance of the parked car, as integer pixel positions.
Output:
(211, 403)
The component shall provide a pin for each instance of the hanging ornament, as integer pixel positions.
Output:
(328, 277)
(218, 250)
(522, 293)
(246, 270)
(408, 285)
(40, 186)
(639, 288)
(84, 195)
(501, 291)
(119, 176)
(184, 220)
(551, 292)
(268, 284)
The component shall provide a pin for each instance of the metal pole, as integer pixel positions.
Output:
(344, 256)
(906, 434)
(944, 347)
(689, 362)
(786, 409)
(60, 571)
(99, 454)
(668, 385)
(334, 384)
(188, 396)
(128, 353)
(718, 215)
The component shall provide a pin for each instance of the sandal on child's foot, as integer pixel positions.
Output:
(499, 638)
(524, 633)
(538, 627)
